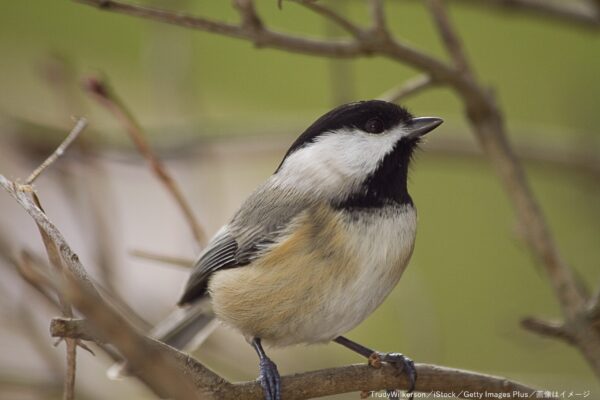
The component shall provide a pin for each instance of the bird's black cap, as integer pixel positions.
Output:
(353, 115)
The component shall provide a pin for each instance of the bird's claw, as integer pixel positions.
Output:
(269, 379)
(401, 362)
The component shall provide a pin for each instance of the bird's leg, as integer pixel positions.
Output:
(400, 361)
(269, 376)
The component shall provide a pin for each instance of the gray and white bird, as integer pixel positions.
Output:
(319, 245)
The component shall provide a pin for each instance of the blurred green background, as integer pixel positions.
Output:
(471, 278)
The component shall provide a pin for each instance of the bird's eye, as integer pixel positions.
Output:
(374, 125)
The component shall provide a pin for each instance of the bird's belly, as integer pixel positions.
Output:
(303, 291)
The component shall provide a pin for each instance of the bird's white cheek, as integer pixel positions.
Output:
(337, 162)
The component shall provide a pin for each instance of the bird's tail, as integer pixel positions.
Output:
(185, 328)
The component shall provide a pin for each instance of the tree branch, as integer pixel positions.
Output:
(262, 37)
(488, 123)
(369, 44)
(77, 287)
(333, 16)
(247, 11)
(60, 150)
(450, 38)
(352, 378)
(378, 16)
(593, 309)
(551, 329)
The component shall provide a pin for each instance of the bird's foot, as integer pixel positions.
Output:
(269, 379)
(402, 363)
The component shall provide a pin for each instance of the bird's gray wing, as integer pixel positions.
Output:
(261, 220)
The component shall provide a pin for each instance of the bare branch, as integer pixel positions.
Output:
(73, 266)
(352, 378)
(552, 329)
(77, 287)
(69, 384)
(593, 308)
(333, 16)
(55, 259)
(178, 261)
(325, 48)
(77, 129)
(264, 37)
(105, 97)
(408, 88)
(378, 16)
(487, 121)
(449, 37)
(250, 19)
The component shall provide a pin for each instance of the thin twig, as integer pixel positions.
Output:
(69, 385)
(378, 16)
(552, 329)
(60, 150)
(171, 260)
(100, 91)
(451, 40)
(408, 88)
(250, 19)
(333, 16)
(593, 308)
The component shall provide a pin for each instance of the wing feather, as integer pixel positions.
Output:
(260, 222)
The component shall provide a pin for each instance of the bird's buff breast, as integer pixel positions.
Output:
(321, 280)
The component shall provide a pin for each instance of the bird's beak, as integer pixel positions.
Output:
(422, 125)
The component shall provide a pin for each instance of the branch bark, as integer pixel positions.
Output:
(352, 378)
(60, 150)
(550, 329)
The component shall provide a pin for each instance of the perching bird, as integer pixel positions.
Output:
(320, 244)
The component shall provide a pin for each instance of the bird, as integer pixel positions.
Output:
(318, 246)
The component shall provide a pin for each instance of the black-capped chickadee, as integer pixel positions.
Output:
(319, 245)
